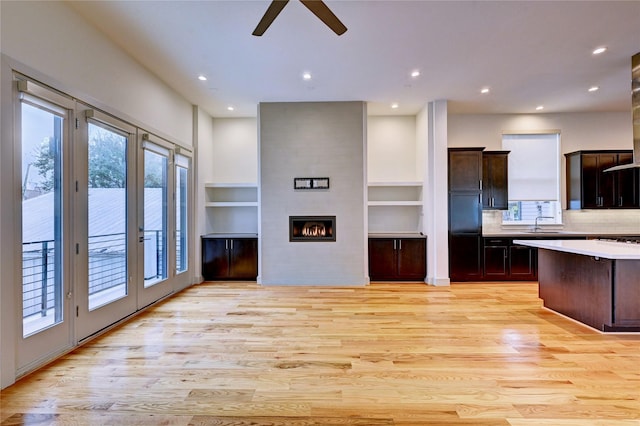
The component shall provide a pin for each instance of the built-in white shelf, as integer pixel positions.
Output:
(394, 184)
(395, 206)
(395, 194)
(231, 194)
(231, 207)
(394, 203)
(231, 204)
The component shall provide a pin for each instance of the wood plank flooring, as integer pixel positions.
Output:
(387, 354)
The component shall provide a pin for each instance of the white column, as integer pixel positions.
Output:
(436, 219)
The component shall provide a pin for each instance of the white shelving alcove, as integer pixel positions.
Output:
(395, 207)
(231, 207)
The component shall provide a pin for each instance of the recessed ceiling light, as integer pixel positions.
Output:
(415, 73)
(484, 90)
(593, 88)
(230, 108)
(394, 105)
(539, 108)
(306, 76)
(599, 50)
(202, 78)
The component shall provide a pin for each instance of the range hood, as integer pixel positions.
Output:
(635, 107)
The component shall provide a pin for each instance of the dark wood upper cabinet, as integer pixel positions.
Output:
(495, 180)
(628, 183)
(590, 187)
(465, 169)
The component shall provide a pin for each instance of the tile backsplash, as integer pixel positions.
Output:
(624, 221)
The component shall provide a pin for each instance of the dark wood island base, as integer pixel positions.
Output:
(602, 293)
(595, 282)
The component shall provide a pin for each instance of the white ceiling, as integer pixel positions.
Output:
(528, 52)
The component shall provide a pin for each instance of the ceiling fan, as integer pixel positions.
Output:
(316, 6)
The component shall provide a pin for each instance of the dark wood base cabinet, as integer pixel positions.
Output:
(229, 258)
(505, 261)
(601, 293)
(465, 257)
(397, 259)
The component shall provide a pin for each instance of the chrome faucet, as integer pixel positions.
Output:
(538, 228)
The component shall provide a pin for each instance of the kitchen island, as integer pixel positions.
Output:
(596, 282)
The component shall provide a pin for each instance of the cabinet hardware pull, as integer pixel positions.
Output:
(231, 244)
(399, 244)
(226, 244)
(394, 244)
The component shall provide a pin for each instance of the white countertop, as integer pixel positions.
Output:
(596, 248)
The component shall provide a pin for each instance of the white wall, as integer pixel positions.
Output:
(52, 43)
(325, 139)
(49, 42)
(234, 155)
(579, 131)
(391, 153)
(203, 173)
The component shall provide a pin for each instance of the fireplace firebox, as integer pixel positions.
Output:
(312, 228)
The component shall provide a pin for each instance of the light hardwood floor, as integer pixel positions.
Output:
(388, 354)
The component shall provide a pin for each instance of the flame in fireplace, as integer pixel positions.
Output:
(314, 229)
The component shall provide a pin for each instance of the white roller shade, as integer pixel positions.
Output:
(534, 166)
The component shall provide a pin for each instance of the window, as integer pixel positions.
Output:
(156, 164)
(107, 214)
(42, 233)
(534, 178)
(182, 185)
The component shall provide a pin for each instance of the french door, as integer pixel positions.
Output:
(106, 211)
(43, 153)
(156, 249)
(103, 225)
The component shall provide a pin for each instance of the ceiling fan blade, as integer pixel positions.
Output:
(270, 15)
(325, 14)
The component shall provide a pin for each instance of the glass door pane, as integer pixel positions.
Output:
(181, 219)
(107, 215)
(155, 217)
(41, 219)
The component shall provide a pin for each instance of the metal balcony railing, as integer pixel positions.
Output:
(107, 268)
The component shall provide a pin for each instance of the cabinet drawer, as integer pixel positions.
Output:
(492, 242)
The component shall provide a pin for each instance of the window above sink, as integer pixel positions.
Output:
(526, 213)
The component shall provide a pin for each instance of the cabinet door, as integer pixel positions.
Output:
(465, 213)
(627, 184)
(590, 177)
(495, 181)
(465, 170)
(243, 263)
(523, 263)
(465, 258)
(606, 181)
(495, 260)
(215, 258)
(382, 261)
(411, 258)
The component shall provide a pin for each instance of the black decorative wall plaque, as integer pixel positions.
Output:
(311, 183)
